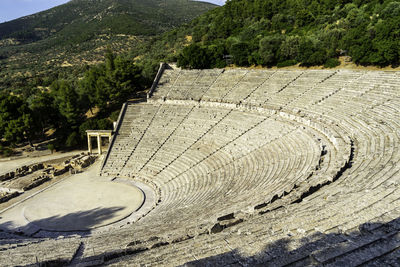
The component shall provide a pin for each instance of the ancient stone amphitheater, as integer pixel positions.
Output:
(247, 167)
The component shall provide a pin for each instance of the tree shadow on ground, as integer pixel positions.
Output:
(373, 244)
(78, 223)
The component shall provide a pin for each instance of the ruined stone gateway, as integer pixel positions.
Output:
(271, 167)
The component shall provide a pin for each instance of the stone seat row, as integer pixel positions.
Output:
(305, 81)
(153, 132)
(244, 178)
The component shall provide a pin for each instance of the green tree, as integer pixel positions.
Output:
(269, 49)
(240, 52)
(66, 100)
(194, 56)
(16, 123)
(386, 37)
(290, 48)
(125, 79)
(87, 88)
(311, 52)
(216, 54)
(110, 84)
(19, 129)
(44, 113)
(72, 140)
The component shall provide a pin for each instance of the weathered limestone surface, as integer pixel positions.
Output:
(269, 167)
(22, 179)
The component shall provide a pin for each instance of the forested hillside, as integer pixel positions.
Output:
(287, 32)
(63, 70)
(63, 40)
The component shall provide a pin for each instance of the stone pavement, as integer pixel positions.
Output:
(78, 203)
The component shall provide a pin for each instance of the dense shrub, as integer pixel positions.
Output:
(240, 52)
(6, 151)
(194, 57)
(269, 49)
(51, 147)
(331, 63)
(286, 63)
(73, 140)
(114, 115)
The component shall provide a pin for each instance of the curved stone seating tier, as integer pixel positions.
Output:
(208, 177)
(253, 173)
(268, 167)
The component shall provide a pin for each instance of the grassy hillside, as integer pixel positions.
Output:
(50, 43)
(80, 20)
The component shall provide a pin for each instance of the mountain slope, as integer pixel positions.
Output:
(77, 33)
(88, 17)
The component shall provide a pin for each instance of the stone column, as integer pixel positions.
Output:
(89, 144)
(99, 143)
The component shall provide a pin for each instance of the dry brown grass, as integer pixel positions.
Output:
(92, 113)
